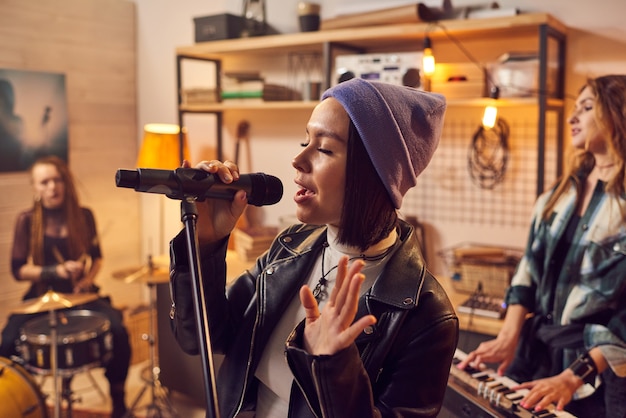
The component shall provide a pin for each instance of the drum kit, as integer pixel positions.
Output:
(66, 342)
(59, 345)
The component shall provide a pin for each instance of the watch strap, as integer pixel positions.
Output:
(585, 368)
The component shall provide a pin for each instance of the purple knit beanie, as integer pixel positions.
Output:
(400, 127)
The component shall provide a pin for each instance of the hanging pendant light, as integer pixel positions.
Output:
(491, 110)
(428, 59)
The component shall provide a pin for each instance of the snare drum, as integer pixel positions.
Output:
(19, 394)
(84, 340)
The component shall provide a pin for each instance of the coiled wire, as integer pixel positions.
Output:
(488, 155)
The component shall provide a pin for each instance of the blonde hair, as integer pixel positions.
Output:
(610, 112)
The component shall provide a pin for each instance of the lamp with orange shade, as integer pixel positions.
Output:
(161, 149)
(161, 146)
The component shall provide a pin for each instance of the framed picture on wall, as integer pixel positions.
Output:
(33, 118)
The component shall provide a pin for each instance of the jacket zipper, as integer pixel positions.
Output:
(254, 331)
(249, 363)
(306, 398)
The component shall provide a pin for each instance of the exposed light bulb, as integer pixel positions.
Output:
(491, 110)
(490, 116)
(428, 60)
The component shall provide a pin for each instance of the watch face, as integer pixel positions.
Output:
(584, 368)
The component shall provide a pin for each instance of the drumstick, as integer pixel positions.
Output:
(59, 257)
(57, 254)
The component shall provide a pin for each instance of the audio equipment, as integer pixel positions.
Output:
(401, 68)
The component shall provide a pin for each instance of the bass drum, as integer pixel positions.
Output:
(20, 396)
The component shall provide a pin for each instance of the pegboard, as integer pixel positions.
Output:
(445, 191)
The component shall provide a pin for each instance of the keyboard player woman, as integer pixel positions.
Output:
(572, 351)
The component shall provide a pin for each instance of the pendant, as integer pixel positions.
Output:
(319, 292)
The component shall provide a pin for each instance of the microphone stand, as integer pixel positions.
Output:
(189, 216)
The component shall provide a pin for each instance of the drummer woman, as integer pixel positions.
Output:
(56, 248)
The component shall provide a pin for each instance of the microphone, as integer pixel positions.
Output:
(262, 189)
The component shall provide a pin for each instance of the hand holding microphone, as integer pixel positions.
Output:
(262, 189)
(216, 181)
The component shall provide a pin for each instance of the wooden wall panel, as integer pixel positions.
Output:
(92, 42)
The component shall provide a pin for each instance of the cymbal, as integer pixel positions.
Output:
(52, 301)
(143, 274)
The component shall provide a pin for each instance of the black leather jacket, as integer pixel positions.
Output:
(397, 368)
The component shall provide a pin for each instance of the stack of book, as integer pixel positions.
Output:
(247, 86)
(252, 242)
(276, 92)
(199, 96)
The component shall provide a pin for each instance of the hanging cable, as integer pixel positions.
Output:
(488, 155)
(489, 151)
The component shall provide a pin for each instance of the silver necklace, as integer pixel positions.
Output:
(320, 292)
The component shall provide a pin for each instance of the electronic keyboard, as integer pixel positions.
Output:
(490, 394)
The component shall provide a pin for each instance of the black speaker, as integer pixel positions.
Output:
(180, 372)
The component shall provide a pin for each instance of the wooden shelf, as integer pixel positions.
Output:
(384, 37)
(373, 37)
(252, 105)
(309, 105)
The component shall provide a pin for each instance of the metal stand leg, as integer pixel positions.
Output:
(160, 405)
(53, 362)
(67, 395)
(95, 385)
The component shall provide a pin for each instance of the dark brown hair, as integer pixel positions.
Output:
(368, 214)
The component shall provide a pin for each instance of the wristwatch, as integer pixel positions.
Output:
(585, 368)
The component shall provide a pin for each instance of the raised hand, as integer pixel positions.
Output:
(332, 329)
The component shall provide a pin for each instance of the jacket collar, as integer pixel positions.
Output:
(401, 281)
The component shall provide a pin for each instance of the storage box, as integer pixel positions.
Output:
(215, 27)
(487, 269)
(491, 279)
(137, 321)
(520, 78)
(459, 81)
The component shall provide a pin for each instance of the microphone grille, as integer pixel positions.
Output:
(127, 178)
(265, 190)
